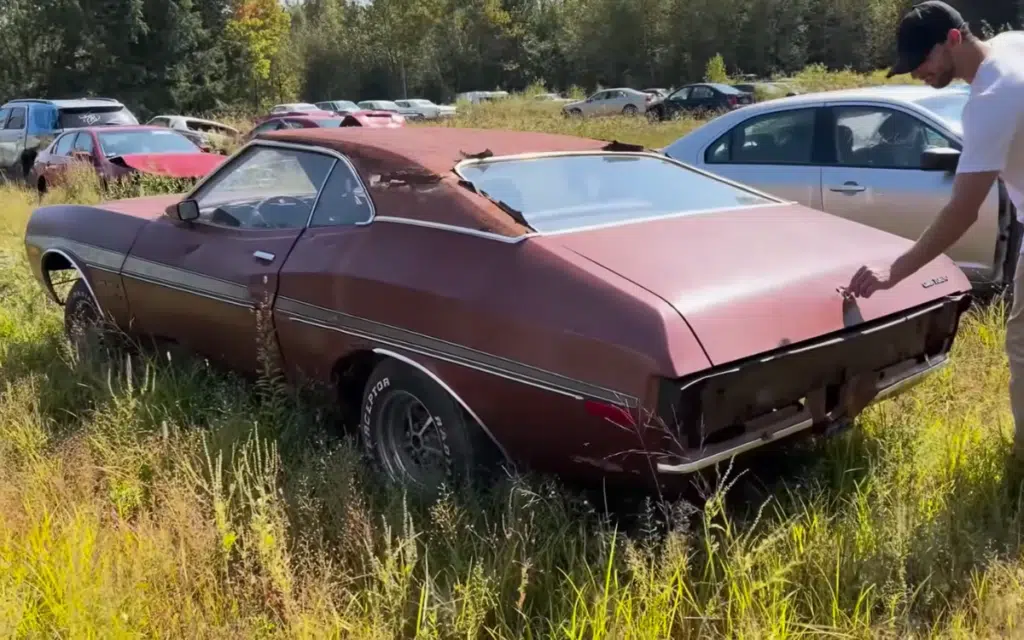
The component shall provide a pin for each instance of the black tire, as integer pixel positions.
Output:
(83, 323)
(629, 110)
(459, 448)
(656, 114)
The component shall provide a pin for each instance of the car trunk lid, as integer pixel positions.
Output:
(755, 279)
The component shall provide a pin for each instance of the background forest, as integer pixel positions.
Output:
(210, 55)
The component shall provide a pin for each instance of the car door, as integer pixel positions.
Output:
(312, 282)
(54, 166)
(597, 104)
(613, 105)
(12, 134)
(5, 146)
(874, 177)
(702, 98)
(776, 152)
(200, 283)
(676, 102)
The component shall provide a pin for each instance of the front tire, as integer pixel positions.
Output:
(83, 322)
(416, 433)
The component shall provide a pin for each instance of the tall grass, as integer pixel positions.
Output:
(153, 496)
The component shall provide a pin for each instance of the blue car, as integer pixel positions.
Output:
(28, 125)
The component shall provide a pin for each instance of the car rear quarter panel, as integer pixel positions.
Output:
(521, 332)
(93, 239)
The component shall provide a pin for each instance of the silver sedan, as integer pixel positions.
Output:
(883, 156)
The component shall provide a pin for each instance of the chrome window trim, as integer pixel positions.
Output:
(291, 146)
(617, 154)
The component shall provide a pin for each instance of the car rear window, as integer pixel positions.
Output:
(564, 193)
(119, 143)
(74, 117)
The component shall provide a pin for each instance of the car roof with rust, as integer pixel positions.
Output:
(414, 166)
(433, 149)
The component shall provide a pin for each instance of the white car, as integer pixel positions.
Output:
(198, 130)
(608, 102)
(427, 109)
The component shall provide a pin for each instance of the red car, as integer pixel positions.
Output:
(375, 119)
(478, 296)
(117, 151)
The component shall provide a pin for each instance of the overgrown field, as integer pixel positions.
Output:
(159, 498)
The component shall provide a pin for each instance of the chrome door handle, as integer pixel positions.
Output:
(263, 255)
(849, 187)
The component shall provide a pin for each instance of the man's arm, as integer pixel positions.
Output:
(986, 146)
(969, 192)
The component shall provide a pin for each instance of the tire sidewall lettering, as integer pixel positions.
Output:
(366, 415)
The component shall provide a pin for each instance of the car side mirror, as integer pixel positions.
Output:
(186, 210)
(940, 159)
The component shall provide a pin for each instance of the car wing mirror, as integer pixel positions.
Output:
(940, 159)
(186, 210)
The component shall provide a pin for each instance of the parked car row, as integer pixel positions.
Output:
(41, 139)
(696, 99)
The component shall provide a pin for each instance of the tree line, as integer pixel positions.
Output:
(198, 56)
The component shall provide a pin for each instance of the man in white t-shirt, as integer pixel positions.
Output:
(935, 45)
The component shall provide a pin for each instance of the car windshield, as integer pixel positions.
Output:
(948, 106)
(75, 117)
(345, 104)
(119, 143)
(563, 193)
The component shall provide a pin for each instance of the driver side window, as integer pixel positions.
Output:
(881, 138)
(265, 188)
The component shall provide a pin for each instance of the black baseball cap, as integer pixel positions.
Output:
(923, 27)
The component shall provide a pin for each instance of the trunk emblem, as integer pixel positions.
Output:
(927, 284)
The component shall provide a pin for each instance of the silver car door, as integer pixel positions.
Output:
(773, 152)
(875, 178)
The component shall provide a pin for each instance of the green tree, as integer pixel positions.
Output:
(715, 70)
(257, 30)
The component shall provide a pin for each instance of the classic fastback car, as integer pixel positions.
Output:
(567, 304)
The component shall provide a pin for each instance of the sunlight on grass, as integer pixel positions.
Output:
(155, 497)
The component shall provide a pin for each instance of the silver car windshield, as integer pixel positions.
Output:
(949, 107)
(562, 193)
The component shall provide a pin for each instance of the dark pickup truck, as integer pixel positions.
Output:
(28, 125)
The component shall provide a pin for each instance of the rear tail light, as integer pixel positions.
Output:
(731, 100)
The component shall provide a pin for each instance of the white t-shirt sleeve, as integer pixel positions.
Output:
(989, 125)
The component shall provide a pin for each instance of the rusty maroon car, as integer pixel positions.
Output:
(567, 305)
(115, 152)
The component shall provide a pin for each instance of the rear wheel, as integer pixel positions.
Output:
(629, 110)
(416, 433)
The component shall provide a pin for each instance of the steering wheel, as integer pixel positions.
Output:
(257, 216)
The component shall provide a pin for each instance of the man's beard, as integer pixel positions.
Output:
(942, 80)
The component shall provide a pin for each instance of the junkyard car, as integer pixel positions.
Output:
(566, 304)
(882, 156)
(28, 125)
(116, 152)
(205, 133)
(374, 119)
